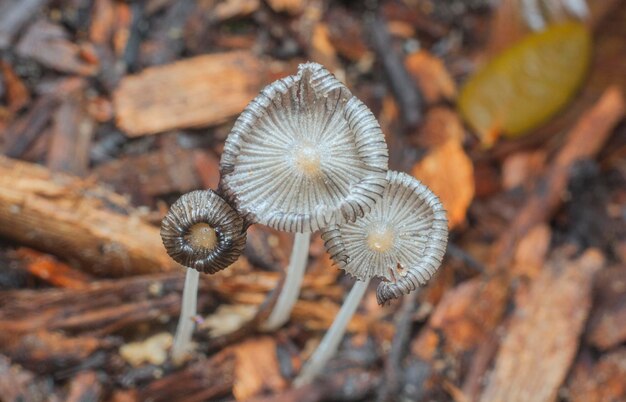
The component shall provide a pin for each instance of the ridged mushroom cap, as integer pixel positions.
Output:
(305, 153)
(203, 232)
(402, 240)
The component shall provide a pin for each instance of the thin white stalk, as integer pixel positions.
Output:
(186, 324)
(293, 282)
(328, 347)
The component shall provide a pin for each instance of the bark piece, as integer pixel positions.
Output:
(72, 133)
(17, 93)
(24, 131)
(463, 319)
(196, 92)
(543, 336)
(256, 368)
(602, 382)
(101, 307)
(51, 270)
(49, 44)
(85, 387)
(200, 381)
(77, 220)
(43, 351)
(18, 384)
(449, 173)
(167, 170)
(14, 14)
(607, 327)
(431, 76)
(287, 6)
(584, 141)
(440, 125)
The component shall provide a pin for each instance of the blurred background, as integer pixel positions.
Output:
(511, 111)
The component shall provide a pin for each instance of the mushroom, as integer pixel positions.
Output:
(304, 154)
(403, 240)
(538, 13)
(202, 232)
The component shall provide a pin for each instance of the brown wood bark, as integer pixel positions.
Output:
(80, 221)
(196, 92)
(543, 336)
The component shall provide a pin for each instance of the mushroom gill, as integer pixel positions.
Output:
(304, 154)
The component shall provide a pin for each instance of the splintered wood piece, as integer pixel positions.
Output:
(51, 270)
(601, 382)
(78, 220)
(440, 125)
(463, 319)
(44, 351)
(431, 76)
(196, 92)
(256, 368)
(18, 384)
(200, 381)
(607, 326)
(23, 132)
(17, 93)
(14, 14)
(85, 386)
(72, 133)
(50, 45)
(449, 172)
(542, 338)
(584, 141)
(287, 6)
(167, 170)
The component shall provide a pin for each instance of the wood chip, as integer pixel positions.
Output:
(144, 176)
(53, 271)
(196, 92)
(287, 6)
(440, 125)
(17, 93)
(463, 319)
(84, 387)
(14, 14)
(256, 368)
(543, 336)
(449, 173)
(80, 221)
(49, 44)
(607, 326)
(602, 382)
(522, 168)
(72, 133)
(431, 76)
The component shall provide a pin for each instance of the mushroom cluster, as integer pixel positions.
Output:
(306, 155)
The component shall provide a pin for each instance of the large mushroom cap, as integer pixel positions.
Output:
(203, 232)
(403, 239)
(304, 154)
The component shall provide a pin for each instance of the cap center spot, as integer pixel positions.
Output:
(380, 239)
(201, 235)
(307, 160)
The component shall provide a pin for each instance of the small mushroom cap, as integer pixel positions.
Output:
(403, 239)
(304, 154)
(203, 232)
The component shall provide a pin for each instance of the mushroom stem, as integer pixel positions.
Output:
(184, 330)
(330, 343)
(293, 282)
